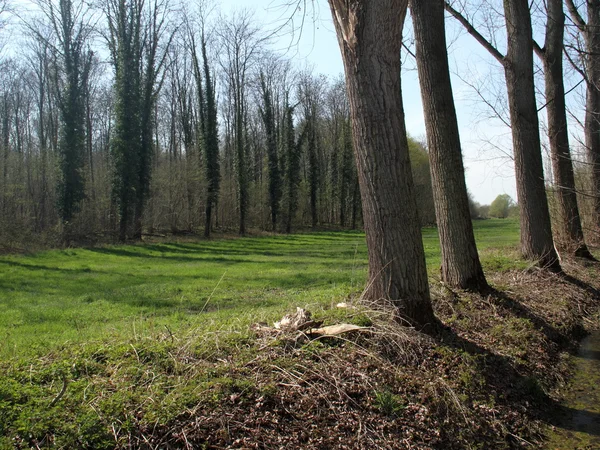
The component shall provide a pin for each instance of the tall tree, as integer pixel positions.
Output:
(536, 232)
(589, 27)
(240, 44)
(267, 111)
(370, 38)
(558, 133)
(461, 267)
(73, 62)
(310, 96)
(208, 132)
(136, 32)
(291, 149)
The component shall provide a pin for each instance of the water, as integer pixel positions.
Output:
(579, 424)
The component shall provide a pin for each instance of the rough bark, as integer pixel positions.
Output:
(370, 38)
(590, 31)
(558, 133)
(461, 267)
(536, 231)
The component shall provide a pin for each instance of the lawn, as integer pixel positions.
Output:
(110, 294)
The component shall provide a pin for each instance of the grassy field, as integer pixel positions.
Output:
(115, 293)
(150, 346)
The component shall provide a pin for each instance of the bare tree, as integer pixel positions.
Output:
(558, 134)
(241, 42)
(589, 68)
(536, 232)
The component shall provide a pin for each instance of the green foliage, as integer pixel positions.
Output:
(208, 132)
(388, 403)
(71, 81)
(501, 206)
(134, 46)
(269, 122)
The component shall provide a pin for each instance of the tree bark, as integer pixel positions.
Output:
(536, 231)
(370, 38)
(558, 133)
(461, 267)
(590, 31)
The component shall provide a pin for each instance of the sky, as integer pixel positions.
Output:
(486, 141)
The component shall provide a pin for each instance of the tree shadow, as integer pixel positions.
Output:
(521, 311)
(594, 292)
(41, 267)
(576, 420)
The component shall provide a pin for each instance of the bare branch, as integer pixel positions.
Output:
(473, 32)
(574, 13)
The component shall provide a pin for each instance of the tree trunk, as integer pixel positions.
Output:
(592, 112)
(536, 231)
(558, 133)
(370, 38)
(461, 267)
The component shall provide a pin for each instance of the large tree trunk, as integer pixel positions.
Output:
(461, 267)
(558, 133)
(536, 232)
(370, 38)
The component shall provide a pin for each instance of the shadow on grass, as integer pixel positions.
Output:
(521, 311)
(40, 267)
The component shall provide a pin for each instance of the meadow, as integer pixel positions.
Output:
(114, 293)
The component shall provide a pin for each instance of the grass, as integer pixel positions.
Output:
(149, 346)
(58, 297)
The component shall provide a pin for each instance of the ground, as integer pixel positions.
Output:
(152, 346)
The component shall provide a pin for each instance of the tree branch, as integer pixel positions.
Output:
(473, 32)
(574, 13)
(541, 52)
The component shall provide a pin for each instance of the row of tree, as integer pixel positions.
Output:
(370, 37)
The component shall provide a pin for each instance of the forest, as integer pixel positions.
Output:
(208, 128)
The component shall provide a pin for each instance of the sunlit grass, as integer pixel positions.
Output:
(113, 293)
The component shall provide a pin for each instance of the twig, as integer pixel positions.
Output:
(60, 394)
(211, 294)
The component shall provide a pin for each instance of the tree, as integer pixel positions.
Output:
(72, 61)
(292, 149)
(370, 38)
(269, 121)
(558, 134)
(500, 207)
(536, 231)
(208, 131)
(240, 43)
(135, 35)
(461, 267)
(309, 95)
(590, 30)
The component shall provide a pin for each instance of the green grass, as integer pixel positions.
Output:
(112, 294)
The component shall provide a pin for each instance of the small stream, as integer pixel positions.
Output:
(579, 426)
